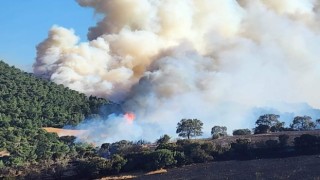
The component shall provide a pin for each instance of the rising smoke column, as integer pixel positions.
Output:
(209, 59)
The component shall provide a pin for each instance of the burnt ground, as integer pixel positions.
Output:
(299, 167)
(256, 138)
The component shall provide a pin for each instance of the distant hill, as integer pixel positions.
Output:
(24, 97)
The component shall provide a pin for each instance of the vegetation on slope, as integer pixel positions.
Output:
(27, 104)
(41, 103)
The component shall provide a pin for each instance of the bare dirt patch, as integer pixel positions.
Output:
(134, 175)
(160, 171)
(119, 177)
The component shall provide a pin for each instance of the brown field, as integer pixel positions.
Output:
(300, 167)
(66, 132)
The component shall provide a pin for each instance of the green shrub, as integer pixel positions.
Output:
(161, 158)
(272, 143)
(283, 139)
(241, 147)
(93, 167)
(307, 143)
(164, 139)
(180, 158)
(118, 163)
(240, 132)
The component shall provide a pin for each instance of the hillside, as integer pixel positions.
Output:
(27, 104)
(41, 102)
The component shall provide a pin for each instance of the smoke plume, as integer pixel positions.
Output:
(215, 60)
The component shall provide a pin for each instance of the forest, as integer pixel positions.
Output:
(29, 103)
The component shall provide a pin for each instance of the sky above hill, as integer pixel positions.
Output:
(24, 24)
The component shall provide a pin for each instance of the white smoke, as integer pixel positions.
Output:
(214, 60)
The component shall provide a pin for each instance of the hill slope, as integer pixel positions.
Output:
(27, 104)
(43, 103)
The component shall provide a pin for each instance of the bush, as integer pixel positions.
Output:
(196, 152)
(208, 147)
(283, 140)
(218, 131)
(169, 146)
(180, 158)
(240, 132)
(117, 163)
(272, 144)
(93, 167)
(199, 156)
(164, 139)
(307, 143)
(161, 158)
(241, 147)
(261, 129)
(136, 161)
(215, 136)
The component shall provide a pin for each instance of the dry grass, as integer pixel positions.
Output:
(134, 175)
(66, 132)
(4, 153)
(160, 171)
(119, 177)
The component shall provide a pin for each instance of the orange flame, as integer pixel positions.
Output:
(129, 116)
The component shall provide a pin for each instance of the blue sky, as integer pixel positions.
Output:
(25, 23)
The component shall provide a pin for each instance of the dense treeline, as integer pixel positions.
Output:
(126, 156)
(27, 104)
(43, 103)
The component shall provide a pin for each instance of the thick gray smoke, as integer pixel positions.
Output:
(215, 60)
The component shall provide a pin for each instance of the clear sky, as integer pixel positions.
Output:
(25, 23)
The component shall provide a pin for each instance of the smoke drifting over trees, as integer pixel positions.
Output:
(214, 60)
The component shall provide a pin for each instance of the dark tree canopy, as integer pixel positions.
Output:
(303, 123)
(164, 139)
(189, 128)
(268, 122)
(25, 97)
(29, 103)
(218, 131)
(241, 132)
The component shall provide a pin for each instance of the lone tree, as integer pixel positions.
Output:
(303, 123)
(218, 131)
(267, 123)
(189, 128)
